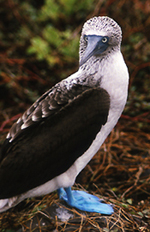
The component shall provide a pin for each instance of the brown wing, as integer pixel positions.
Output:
(49, 145)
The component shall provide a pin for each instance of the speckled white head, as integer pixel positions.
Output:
(101, 26)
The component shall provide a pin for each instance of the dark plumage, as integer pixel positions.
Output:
(53, 143)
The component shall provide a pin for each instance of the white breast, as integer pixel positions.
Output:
(114, 80)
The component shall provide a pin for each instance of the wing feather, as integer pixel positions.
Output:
(53, 138)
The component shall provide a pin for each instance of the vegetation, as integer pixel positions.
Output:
(39, 43)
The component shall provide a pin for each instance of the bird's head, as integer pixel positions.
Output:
(100, 36)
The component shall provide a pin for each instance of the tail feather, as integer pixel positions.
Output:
(6, 204)
(3, 203)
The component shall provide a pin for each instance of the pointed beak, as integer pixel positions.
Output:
(95, 46)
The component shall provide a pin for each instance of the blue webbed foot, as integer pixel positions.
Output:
(84, 201)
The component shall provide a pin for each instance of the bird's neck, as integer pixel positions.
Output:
(111, 73)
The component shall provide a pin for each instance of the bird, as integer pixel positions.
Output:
(49, 145)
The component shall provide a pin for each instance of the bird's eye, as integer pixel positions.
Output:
(85, 38)
(104, 40)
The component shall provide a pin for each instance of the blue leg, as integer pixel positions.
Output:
(84, 201)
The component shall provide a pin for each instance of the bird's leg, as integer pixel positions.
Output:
(61, 193)
(84, 201)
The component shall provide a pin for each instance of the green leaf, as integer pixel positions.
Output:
(40, 47)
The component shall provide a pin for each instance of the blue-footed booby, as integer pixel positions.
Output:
(59, 134)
